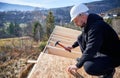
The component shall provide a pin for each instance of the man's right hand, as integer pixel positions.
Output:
(68, 48)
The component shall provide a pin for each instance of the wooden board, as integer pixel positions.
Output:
(57, 36)
(63, 53)
(66, 35)
(52, 43)
(52, 66)
(54, 61)
(68, 30)
(62, 41)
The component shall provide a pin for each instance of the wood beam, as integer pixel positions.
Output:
(62, 52)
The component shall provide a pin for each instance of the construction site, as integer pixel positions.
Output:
(53, 61)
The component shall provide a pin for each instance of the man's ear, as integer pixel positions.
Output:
(83, 15)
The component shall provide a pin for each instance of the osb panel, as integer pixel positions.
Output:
(51, 66)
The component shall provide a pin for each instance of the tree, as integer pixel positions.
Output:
(17, 30)
(49, 24)
(11, 28)
(37, 31)
(14, 30)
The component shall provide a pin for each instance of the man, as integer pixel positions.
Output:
(98, 42)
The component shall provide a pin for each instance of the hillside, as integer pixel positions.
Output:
(61, 14)
(14, 53)
(104, 5)
(115, 10)
(16, 7)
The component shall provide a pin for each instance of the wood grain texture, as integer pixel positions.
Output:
(52, 66)
(54, 60)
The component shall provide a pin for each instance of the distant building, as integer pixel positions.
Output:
(108, 15)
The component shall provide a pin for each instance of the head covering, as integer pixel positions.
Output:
(77, 9)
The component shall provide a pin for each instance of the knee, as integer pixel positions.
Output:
(89, 68)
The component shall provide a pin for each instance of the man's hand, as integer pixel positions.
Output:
(68, 48)
(72, 68)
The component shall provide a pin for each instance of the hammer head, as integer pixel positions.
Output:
(57, 42)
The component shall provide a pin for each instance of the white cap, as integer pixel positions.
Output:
(77, 9)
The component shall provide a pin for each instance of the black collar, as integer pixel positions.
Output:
(92, 18)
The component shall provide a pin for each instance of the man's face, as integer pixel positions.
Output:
(79, 21)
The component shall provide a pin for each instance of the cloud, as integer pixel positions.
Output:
(24, 2)
(47, 3)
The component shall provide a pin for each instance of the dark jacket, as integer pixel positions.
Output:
(97, 36)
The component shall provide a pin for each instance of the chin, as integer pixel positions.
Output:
(80, 26)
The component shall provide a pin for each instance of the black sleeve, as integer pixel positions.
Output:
(95, 39)
(75, 44)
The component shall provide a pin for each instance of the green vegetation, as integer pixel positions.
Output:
(42, 45)
(37, 31)
(49, 24)
(10, 30)
(109, 21)
(72, 26)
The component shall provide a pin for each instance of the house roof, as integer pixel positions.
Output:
(54, 60)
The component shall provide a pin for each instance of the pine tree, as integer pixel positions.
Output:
(14, 30)
(37, 31)
(17, 30)
(49, 24)
(11, 28)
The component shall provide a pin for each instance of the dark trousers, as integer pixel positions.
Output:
(99, 65)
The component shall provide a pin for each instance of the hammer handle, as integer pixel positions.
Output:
(64, 47)
(61, 45)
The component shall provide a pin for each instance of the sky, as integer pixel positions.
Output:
(47, 3)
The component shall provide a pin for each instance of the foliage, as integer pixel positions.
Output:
(36, 24)
(13, 55)
(72, 26)
(49, 23)
(11, 30)
(42, 45)
(11, 43)
(109, 21)
(37, 31)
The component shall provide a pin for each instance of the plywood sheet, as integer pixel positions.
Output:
(54, 61)
(52, 66)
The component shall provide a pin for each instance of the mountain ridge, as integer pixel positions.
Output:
(61, 14)
(17, 7)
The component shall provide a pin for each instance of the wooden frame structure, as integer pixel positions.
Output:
(54, 60)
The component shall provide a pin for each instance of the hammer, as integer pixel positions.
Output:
(58, 43)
